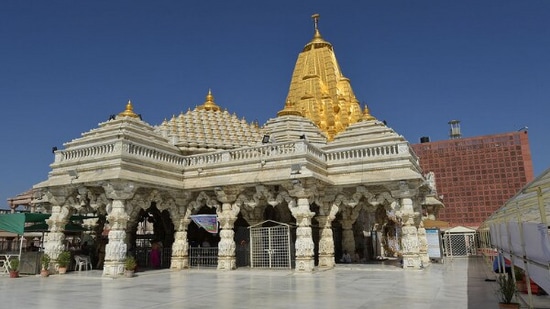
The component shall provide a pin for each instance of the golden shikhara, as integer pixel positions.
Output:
(319, 91)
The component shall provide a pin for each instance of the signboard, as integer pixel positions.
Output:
(207, 222)
(434, 243)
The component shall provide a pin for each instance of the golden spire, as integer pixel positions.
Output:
(129, 111)
(209, 104)
(318, 89)
(366, 114)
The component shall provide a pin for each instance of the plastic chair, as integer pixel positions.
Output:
(82, 261)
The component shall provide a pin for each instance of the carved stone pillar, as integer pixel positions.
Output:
(326, 243)
(115, 250)
(226, 247)
(180, 247)
(53, 244)
(304, 240)
(409, 236)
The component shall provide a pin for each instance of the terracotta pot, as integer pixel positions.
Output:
(508, 306)
(44, 273)
(128, 273)
(62, 270)
(14, 274)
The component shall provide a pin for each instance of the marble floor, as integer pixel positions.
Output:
(458, 283)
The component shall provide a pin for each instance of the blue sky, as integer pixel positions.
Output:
(65, 66)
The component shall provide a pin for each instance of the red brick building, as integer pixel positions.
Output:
(476, 175)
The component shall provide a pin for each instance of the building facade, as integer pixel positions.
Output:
(476, 175)
(323, 164)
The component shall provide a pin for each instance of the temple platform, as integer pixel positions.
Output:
(459, 283)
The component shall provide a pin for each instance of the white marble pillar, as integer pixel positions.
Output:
(326, 243)
(226, 247)
(304, 240)
(409, 237)
(115, 250)
(54, 239)
(180, 247)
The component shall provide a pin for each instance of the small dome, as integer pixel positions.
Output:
(129, 111)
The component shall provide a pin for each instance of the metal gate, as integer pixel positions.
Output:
(460, 244)
(270, 246)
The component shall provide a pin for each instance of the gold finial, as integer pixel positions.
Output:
(366, 114)
(209, 104)
(317, 41)
(209, 96)
(129, 111)
(316, 25)
(289, 110)
(315, 21)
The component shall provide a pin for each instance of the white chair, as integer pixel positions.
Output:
(3, 267)
(82, 261)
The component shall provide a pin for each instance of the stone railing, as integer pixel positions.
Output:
(80, 153)
(255, 153)
(375, 152)
(120, 147)
(155, 154)
(265, 151)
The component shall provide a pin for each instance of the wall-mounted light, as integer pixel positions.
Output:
(262, 163)
(265, 139)
(199, 170)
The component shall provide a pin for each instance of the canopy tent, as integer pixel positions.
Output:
(20, 223)
(43, 227)
(15, 223)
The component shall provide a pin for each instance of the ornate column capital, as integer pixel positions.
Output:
(119, 190)
(227, 194)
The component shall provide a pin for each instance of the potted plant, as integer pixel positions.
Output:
(506, 290)
(130, 265)
(520, 279)
(45, 262)
(63, 261)
(14, 268)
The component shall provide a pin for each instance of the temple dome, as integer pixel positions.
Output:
(290, 128)
(366, 132)
(208, 128)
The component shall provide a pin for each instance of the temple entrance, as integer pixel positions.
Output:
(203, 245)
(270, 246)
(154, 237)
(242, 242)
